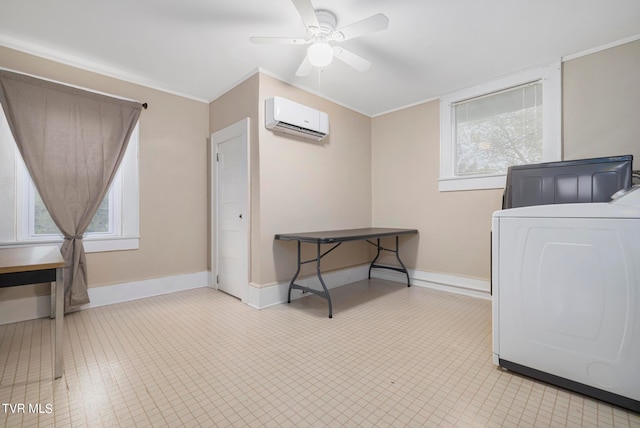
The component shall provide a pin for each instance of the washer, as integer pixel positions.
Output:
(566, 295)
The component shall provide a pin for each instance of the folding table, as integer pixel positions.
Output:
(34, 265)
(337, 237)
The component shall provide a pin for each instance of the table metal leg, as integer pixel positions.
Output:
(379, 248)
(404, 268)
(324, 287)
(373, 262)
(325, 291)
(59, 322)
(53, 300)
(293, 280)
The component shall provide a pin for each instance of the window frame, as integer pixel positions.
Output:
(27, 196)
(124, 207)
(551, 78)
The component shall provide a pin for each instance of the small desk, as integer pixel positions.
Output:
(34, 265)
(337, 237)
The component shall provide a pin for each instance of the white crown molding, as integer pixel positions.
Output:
(84, 64)
(108, 71)
(309, 90)
(601, 48)
(563, 59)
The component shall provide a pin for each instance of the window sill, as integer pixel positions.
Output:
(91, 245)
(120, 243)
(454, 184)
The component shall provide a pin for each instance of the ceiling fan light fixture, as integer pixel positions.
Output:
(320, 54)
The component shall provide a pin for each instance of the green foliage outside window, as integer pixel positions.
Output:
(44, 225)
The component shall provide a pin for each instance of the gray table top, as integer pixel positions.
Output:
(330, 236)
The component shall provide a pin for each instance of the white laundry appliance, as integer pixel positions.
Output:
(566, 295)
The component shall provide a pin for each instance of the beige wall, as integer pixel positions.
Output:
(600, 118)
(298, 185)
(307, 185)
(235, 105)
(381, 171)
(173, 185)
(454, 226)
(601, 93)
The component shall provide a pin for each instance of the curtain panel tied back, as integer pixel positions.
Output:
(72, 142)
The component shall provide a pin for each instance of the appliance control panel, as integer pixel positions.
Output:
(629, 197)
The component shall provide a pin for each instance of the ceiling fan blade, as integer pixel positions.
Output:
(351, 59)
(278, 41)
(368, 25)
(305, 68)
(306, 11)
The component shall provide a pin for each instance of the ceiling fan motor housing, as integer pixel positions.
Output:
(322, 37)
(326, 32)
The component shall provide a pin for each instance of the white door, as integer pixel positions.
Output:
(231, 208)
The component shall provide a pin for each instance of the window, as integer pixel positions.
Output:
(512, 121)
(24, 219)
(41, 224)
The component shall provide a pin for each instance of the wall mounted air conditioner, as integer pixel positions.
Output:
(283, 115)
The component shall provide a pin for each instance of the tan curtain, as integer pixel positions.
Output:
(72, 142)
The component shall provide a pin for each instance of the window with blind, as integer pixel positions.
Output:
(486, 129)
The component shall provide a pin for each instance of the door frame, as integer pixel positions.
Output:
(239, 129)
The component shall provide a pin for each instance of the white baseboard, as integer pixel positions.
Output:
(118, 293)
(258, 297)
(39, 306)
(25, 309)
(437, 281)
(263, 297)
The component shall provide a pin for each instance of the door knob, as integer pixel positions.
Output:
(240, 215)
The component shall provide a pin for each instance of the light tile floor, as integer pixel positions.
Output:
(391, 356)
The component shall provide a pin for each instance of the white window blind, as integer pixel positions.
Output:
(510, 121)
(498, 130)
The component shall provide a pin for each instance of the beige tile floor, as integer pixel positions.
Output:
(391, 356)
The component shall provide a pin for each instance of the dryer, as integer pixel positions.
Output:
(566, 295)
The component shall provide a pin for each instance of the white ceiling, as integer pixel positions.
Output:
(201, 48)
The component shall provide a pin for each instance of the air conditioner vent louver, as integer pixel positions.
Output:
(301, 129)
(282, 115)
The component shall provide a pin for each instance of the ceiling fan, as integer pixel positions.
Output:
(322, 32)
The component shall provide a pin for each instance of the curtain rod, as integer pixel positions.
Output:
(144, 105)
